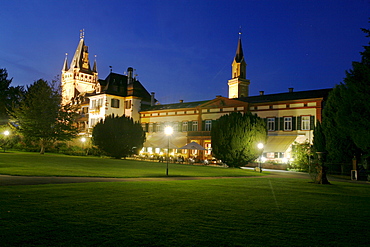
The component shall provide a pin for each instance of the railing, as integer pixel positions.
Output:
(199, 133)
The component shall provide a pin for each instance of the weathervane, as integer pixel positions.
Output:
(82, 34)
(240, 31)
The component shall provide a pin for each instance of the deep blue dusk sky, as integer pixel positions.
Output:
(184, 49)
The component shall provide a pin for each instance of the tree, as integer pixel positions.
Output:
(319, 147)
(40, 116)
(346, 119)
(301, 154)
(235, 137)
(118, 136)
(356, 107)
(9, 96)
(339, 144)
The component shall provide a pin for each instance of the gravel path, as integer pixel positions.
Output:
(6, 180)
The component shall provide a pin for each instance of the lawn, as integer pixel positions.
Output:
(243, 211)
(34, 164)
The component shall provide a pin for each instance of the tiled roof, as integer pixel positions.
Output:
(310, 94)
(320, 93)
(175, 106)
(116, 84)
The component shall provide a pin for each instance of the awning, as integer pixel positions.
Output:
(160, 140)
(193, 146)
(278, 143)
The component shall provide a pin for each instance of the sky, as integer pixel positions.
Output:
(183, 50)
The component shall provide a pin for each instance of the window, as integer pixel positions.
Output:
(208, 125)
(305, 123)
(288, 123)
(184, 126)
(97, 103)
(195, 126)
(150, 127)
(115, 103)
(128, 104)
(270, 124)
(176, 127)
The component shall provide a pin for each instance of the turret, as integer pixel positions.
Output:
(238, 85)
(130, 75)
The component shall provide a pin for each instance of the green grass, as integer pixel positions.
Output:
(244, 211)
(219, 212)
(34, 164)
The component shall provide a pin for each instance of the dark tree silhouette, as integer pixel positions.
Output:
(118, 136)
(235, 138)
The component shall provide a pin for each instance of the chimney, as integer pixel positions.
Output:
(152, 99)
(262, 92)
(129, 75)
(181, 101)
(290, 90)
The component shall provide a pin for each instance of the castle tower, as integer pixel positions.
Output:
(239, 85)
(79, 78)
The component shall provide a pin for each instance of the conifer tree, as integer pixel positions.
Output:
(235, 138)
(346, 118)
(9, 96)
(118, 136)
(41, 118)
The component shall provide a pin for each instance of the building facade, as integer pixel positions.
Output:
(290, 116)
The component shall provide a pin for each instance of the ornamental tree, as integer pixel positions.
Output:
(346, 119)
(118, 136)
(41, 118)
(235, 137)
(9, 96)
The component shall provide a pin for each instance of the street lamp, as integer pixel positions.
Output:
(83, 140)
(6, 133)
(260, 147)
(168, 131)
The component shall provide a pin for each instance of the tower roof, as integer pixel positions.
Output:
(239, 56)
(65, 65)
(80, 59)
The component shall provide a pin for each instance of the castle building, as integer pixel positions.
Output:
(78, 78)
(290, 116)
(97, 98)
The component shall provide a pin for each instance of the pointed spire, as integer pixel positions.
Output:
(80, 59)
(82, 34)
(239, 56)
(95, 68)
(65, 65)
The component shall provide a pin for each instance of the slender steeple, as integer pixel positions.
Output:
(65, 65)
(239, 85)
(239, 56)
(95, 68)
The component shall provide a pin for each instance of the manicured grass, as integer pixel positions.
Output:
(260, 211)
(240, 211)
(34, 164)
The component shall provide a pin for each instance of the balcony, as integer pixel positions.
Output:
(199, 133)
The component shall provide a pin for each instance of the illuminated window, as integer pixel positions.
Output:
(208, 125)
(270, 124)
(305, 123)
(195, 126)
(288, 123)
(184, 126)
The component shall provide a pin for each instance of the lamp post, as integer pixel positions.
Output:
(83, 140)
(6, 133)
(168, 131)
(260, 147)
